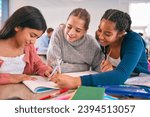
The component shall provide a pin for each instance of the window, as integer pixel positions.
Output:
(139, 15)
(0, 12)
(4, 11)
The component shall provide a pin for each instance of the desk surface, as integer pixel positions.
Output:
(19, 90)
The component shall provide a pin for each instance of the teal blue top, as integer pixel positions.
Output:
(133, 59)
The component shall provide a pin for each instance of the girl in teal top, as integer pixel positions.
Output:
(123, 45)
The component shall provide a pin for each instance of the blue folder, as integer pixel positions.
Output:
(128, 91)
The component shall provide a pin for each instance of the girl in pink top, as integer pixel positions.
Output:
(17, 38)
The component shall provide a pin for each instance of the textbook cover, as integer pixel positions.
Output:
(89, 93)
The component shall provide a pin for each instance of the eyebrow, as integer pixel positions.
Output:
(76, 27)
(34, 34)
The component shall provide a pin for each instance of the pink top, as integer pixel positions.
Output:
(34, 65)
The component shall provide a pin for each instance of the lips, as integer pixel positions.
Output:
(103, 43)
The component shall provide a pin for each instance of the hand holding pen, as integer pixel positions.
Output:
(56, 69)
(105, 64)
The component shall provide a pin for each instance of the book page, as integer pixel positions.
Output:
(40, 82)
(142, 79)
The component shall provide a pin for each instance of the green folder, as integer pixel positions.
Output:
(89, 93)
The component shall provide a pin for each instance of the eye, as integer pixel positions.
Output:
(69, 27)
(107, 34)
(32, 35)
(78, 30)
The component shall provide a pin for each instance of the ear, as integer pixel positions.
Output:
(17, 28)
(121, 34)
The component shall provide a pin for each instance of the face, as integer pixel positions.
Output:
(107, 33)
(26, 36)
(74, 29)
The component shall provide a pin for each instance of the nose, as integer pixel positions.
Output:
(71, 32)
(100, 36)
(33, 41)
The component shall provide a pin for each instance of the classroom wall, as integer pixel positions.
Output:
(57, 11)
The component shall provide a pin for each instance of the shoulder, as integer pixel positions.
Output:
(133, 36)
(57, 35)
(133, 41)
(58, 31)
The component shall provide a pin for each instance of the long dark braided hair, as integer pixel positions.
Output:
(120, 18)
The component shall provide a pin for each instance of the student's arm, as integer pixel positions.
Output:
(132, 50)
(6, 78)
(35, 65)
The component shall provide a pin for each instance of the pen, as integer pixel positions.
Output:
(58, 67)
(55, 94)
(54, 70)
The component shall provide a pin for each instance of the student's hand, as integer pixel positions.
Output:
(65, 81)
(17, 78)
(48, 72)
(106, 66)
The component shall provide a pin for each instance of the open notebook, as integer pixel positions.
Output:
(43, 85)
(141, 80)
(40, 85)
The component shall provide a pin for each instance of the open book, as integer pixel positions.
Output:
(41, 84)
(141, 80)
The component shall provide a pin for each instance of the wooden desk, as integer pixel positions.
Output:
(19, 90)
